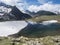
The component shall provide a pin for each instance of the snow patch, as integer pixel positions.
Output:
(11, 27)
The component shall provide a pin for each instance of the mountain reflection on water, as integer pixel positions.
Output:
(40, 30)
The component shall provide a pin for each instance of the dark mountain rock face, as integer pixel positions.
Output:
(18, 14)
(39, 30)
(41, 12)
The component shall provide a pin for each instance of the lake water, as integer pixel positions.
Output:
(12, 27)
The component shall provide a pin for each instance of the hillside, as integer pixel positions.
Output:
(45, 18)
(40, 13)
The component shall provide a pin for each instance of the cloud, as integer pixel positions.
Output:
(43, 1)
(20, 4)
(10, 2)
(23, 5)
(46, 6)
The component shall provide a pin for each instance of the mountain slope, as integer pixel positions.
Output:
(41, 12)
(18, 14)
(8, 12)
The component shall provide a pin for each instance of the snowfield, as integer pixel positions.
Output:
(11, 27)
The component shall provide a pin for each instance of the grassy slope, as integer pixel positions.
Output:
(45, 17)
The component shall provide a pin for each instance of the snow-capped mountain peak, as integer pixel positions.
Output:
(4, 8)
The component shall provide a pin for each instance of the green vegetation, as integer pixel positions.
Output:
(45, 17)
(48, 40)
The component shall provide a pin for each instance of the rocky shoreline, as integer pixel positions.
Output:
(48, 40)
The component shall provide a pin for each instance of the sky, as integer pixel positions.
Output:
(35, 5)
